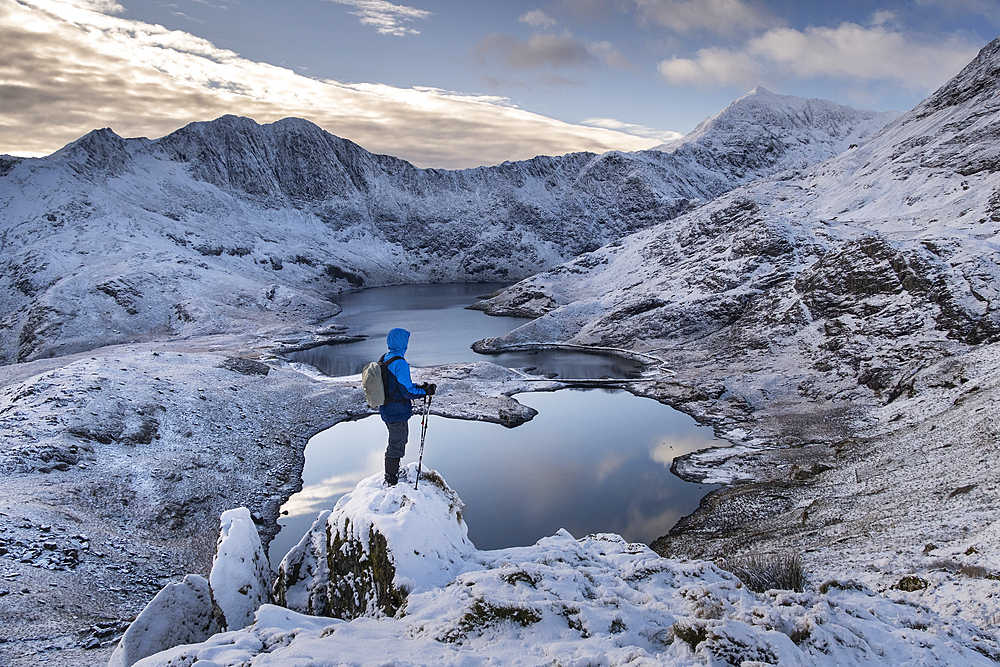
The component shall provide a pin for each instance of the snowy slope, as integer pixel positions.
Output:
(408, 588)
(225, 223)
(840, 325)
(893, 241)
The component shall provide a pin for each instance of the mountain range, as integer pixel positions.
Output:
(227, 222)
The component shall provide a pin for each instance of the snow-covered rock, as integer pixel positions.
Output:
(596, 600)
(836, 278)
(241, 577)
(181, 613)
(376, 547)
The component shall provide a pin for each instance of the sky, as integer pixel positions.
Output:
(462, 83)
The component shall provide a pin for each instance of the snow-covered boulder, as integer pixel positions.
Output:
(378, 545)
(181, 613)
(240, 578)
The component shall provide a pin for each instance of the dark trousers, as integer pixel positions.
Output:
(399, 433)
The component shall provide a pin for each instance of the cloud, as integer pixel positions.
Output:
(385, 16)
(727, 17)
(631, 128)
(541, 50)
(711, 67)
(68, 69)
(607, 52)
(537, 19)
(548, 51)
(849, 52)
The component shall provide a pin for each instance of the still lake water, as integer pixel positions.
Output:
(590, 461)
(442, 331)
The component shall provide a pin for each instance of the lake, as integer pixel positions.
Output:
(591, 461)
(442, 331)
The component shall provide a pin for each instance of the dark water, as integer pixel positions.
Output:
(590, 461)
(442, 331)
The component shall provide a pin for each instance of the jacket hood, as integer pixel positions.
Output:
(397, 340)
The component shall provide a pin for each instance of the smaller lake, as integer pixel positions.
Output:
(590, 461)
(442, 331)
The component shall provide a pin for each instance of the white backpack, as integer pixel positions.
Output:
(373, 380)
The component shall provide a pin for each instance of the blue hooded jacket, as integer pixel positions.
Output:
(397, 407)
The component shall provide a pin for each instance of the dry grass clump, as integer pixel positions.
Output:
(762, 572)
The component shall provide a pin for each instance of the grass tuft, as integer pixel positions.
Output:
(765, 572)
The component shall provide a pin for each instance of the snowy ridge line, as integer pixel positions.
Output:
(227, 224)
(843, 325)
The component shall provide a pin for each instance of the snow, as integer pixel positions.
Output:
(837, 321)
(181, 613)
(840, 325)
(240, 576)
(231, 226)
(595, 600)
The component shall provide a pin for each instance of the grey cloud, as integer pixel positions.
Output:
(539, 51)
(727, 17)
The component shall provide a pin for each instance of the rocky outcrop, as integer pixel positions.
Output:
(194, 609)
(376, 547)
(241, 576)
(181, 613)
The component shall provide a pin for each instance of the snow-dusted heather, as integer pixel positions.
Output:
(596, 600)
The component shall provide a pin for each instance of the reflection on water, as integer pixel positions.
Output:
(590, 461)
(568, 364)
(442, 332)
(442, 329)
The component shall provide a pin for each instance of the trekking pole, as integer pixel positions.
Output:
(423, 434)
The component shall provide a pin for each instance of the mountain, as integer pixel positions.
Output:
(889, 244)
(231, 225)
(840, 325)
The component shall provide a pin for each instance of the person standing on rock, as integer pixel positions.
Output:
(397, 409)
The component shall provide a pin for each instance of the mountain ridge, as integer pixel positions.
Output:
(203, 224)
(828, 323)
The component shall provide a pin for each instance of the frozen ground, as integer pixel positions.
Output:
(117, 464)
(838, 323)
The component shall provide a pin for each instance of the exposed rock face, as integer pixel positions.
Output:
(884, 252)
(377, 546)
(220, 223)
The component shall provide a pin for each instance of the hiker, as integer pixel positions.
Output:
(397, 408)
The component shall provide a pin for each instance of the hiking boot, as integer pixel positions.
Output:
(391, 471)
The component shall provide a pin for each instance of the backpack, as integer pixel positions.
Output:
(374, 381)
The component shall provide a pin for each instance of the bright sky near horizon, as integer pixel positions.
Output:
(460, 83)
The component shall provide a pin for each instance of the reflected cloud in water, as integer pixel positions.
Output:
(593, 461)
